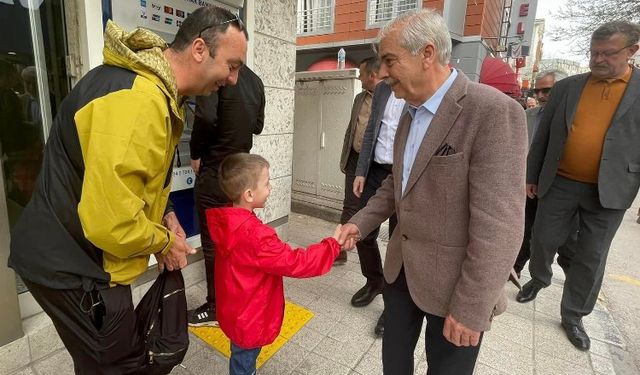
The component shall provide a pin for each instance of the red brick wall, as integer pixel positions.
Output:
(350, 23)
(484, 17)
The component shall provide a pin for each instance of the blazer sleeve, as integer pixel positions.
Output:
(366, 152)
(538, 148)
(346, 143)
(276, 257)
(378, 209)
(496, 214)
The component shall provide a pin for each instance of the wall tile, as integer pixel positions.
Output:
(278, 111)
(276, 18)
(279, 203)
(275, 61)
(278, 149)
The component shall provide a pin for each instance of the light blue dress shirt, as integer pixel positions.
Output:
(420, 120)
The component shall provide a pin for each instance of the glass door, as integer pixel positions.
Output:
(33, 82)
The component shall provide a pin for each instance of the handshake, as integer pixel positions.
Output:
(347, 235)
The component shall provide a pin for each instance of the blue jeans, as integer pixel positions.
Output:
(243, 361)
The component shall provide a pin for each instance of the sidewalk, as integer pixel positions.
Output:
(339, 340)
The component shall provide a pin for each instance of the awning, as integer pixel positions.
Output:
(497, 73)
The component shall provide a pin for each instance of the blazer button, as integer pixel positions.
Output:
(404, 237)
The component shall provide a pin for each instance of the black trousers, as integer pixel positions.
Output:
(208, 194)
(566, 251)
(402, 326)
(98, 328)
(351, 203)
(597, 227)
(368, 250)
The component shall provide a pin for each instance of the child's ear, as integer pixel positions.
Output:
(248, 195)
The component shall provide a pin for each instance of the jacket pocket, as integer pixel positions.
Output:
(634, 167)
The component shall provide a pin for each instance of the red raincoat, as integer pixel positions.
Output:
(250, 263)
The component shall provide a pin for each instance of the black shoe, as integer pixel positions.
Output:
(529, 291)
(577, 335)
(341, 258)
(203, 316)
(379, 330)
(365, 295)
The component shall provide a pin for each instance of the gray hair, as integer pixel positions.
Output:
(630, 31)
(555, 73)
(419, 28)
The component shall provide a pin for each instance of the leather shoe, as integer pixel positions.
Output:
(577, 335)
(365, 295)
(341, 258)
(529, 291)
(379, 330)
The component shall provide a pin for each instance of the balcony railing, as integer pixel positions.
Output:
(315, 16)
(381, 11)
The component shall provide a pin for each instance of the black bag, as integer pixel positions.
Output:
(162, 320)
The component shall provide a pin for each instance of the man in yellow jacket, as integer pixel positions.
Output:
(100, 206)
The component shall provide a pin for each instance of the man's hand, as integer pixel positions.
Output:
(176, 258)
(195, 165)
(172, 223)
(459, 335)
(358, 186)
(348, 236)
(532, 191)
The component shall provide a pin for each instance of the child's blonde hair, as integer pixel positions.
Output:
(239, 172)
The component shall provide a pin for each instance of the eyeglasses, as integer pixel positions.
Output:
(545, 90)
(235, 19)
(595, 54)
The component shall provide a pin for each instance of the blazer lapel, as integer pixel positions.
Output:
(573, 97)
(631, 94)
(441, 123)
(399, 143)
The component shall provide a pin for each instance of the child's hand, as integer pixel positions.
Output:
(336, 234)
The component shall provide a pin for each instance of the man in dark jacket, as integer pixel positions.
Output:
(224, 124)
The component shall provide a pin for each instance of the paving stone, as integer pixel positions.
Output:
(369, 365)
(322, 324)
(25, 371)
(207, 362)
(14, 355)
(307, 338)
(550, 365)
(506, 356)
(315, 364)
(602, 365)
(346, 353)
(482, 369)
(60, 363)
(289, 357)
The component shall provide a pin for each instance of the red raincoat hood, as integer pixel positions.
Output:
(223, 224)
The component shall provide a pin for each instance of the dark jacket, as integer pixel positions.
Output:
(226, 120)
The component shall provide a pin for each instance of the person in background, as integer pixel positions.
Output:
(353, 137)
(585, 160)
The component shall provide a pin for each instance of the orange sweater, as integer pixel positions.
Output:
(583, 150)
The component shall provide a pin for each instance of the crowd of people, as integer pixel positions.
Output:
(473, 187)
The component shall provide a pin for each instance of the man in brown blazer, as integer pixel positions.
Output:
(353, 136)
(458, 190)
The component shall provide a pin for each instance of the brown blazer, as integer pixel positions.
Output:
(347, 145)
(461, 218)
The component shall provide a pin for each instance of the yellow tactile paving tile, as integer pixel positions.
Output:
(295, 317)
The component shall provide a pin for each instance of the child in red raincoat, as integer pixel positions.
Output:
(251, 261)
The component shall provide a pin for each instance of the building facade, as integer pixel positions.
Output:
(325, 26)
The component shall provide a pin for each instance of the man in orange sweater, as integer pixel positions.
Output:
(585, 159)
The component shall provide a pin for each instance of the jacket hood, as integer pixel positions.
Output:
(140, 50)
(223, 224)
